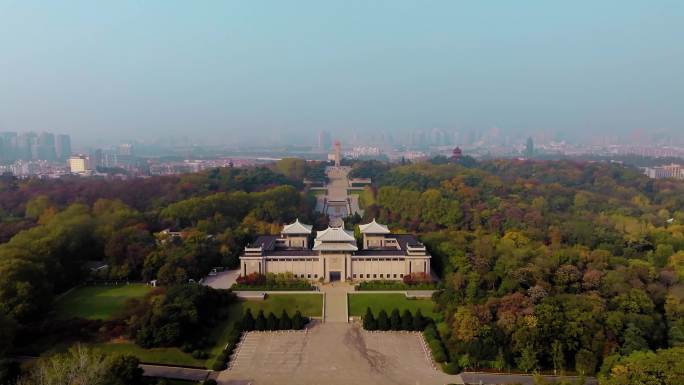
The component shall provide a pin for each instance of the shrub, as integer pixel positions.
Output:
(272, 322)
(369, 322)
(395, 320)
(418, 321)
(220, 363)
(417, 279)
(285, 321)
(383, 321)
(252, 279)
(270, 281)
(437, 349)
(395, 285)
(187, 348)
(407, 320)
(209, 382)
(451, 368)
(248, 321)
(198, 354)
(260, 322)
(298, 321)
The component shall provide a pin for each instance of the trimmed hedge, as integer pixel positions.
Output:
(262, 323)
(439, 353)
(289, 287)
(395, 321)
(234, 336)
(393, 285)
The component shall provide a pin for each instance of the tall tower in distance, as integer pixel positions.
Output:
(338, 153)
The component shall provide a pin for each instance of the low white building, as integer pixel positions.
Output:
(334, 254)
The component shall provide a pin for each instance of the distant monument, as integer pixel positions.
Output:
(337, 155)
(456, 154)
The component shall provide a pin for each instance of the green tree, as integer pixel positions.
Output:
(248, 320)
(272, 322)
(418, 321)
(298, 321)
(260, 322)
(395, 320)
(585, 362)
(79, 365)
(124, 370)
(557, 356)
(7, 331)
(285, 321)
(527, 361)
(383, 321)
(37, 206)
(406, 320)
(369, 322)
(664, 367)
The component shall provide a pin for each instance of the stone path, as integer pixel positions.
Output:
(336, 302)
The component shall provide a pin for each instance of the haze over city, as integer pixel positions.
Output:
(280, 72)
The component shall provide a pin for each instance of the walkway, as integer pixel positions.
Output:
(337, 191)
(176, 373)
(336, 309)
(222, 280)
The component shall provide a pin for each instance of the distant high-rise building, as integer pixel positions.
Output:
(63, 146)
(24, 144)
(8, 142)
(79, 164)
(324, 141)
(126, 149)
(46, 147)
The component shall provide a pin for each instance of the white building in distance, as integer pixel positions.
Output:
(334, 254)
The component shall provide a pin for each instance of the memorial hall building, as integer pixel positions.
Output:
(333, 254)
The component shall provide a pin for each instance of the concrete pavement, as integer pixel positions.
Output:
(336, 308)
(222, 280)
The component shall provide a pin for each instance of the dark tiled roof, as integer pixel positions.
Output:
(405, 240)
(291, 253)
(379, 252)
(267, 242)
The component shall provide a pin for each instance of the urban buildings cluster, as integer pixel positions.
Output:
(33, 146)
(666, 171)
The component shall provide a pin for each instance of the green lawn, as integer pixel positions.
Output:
(359, 302)
(167, 356)
(97, 302)
(310, 305)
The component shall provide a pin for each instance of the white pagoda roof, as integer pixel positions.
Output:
(335, 246)
(374, 228)
(296, 227)
(335, 234)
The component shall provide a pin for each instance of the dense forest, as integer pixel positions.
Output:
(545, 265)
(170, 229)
(566, 266)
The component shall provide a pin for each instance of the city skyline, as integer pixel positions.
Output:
(235, 73)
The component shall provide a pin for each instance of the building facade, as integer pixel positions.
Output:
(667, 171)
(334, 255)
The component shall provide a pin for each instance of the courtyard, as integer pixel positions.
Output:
(333, 353)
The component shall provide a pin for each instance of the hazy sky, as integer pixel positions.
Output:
(221, 70)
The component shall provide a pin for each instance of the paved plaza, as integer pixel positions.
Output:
(333, 353)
